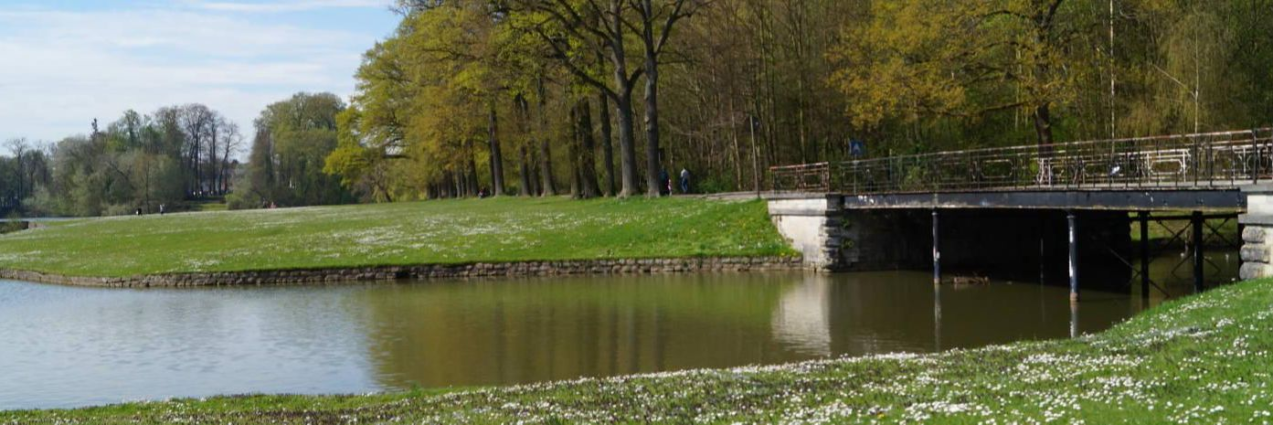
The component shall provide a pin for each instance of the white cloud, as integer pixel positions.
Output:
(64, 69)
(285, 6)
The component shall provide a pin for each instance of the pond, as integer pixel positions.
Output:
(67, 346)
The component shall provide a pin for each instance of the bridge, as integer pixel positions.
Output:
(1046, 201)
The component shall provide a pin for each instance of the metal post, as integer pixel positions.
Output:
(1043, 253)
(936, 251)
(1074, 320)
(1198, 259)
(937, 318)
(1144, 254)
(1074, 256)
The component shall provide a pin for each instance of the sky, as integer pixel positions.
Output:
(64, 63)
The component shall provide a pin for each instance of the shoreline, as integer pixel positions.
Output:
(1203, 357)
(422, 272)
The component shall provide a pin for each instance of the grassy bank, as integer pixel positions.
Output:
(439, 232)
(1204, 359)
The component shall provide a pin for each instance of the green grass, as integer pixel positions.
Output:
(437, 232)
(210, 206)
(1204, 359)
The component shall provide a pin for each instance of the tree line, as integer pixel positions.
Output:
(178, 157)
(608, 97)
(137, 163)
(613, 97)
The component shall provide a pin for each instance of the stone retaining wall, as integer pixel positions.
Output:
(1257, 233)
(422, 272)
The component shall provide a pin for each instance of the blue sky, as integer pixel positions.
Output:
(66, 62)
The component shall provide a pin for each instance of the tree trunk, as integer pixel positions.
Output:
(474, 183)
(572, 151)
(588, 151)
(653, 155)
(623, 107)
(525, 173)
(524, 125)
(1043, 126)
(497, 158)
(546, 168)
(606, 148)
(535, 188)
(453, 185)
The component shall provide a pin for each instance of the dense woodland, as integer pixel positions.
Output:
(541, 97)
(596, 97)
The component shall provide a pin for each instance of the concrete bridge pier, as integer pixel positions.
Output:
(835, 239)
(814, 225)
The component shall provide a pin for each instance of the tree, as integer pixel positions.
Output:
(294, 140)
(571, 29)
(657, 18)
(963, 59)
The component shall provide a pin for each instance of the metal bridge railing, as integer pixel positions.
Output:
(1193, 161)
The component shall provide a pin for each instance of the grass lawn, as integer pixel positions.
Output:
(1204, 359)
(436, 232)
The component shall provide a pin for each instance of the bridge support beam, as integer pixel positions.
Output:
(1143, 218)
(1199, 250)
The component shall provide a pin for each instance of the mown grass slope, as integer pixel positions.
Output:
(1204, 359)
(437, 232)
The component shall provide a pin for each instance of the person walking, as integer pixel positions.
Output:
(685, 181)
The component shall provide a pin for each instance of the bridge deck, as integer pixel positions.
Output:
(1182, 200)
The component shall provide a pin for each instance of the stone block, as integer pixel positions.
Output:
(1256, 271)
(1255, 234)
(1258, 253)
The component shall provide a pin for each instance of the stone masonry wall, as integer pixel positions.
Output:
(423, 272)
(1257, 235)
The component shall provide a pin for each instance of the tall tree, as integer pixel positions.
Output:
(657, 19)
(571, 29)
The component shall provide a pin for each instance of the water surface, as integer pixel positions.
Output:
(66, 346)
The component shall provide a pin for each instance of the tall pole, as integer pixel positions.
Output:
(937, 318)
(1113, 75)
(1198, 259)
(755, 155)
(1043, 253)
(1074, 320)
(1074, 256)
(1144, 254)
(936, 251)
